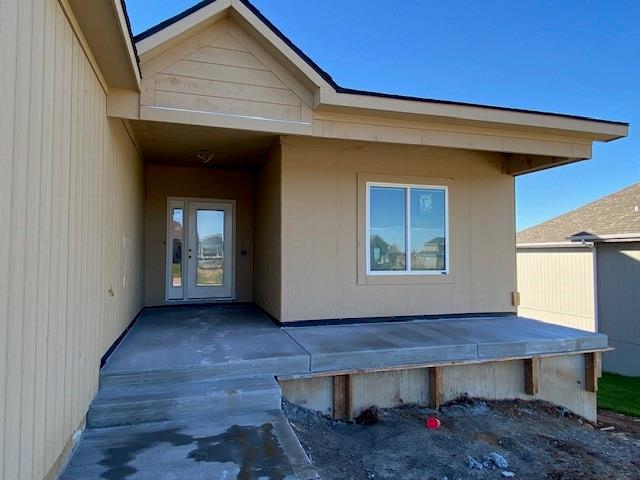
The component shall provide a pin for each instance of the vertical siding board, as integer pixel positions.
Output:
(43, 311)
(55, 377)
(13, 431)
(69, 286)
(8, 44)
(32, 260)
(8, 53)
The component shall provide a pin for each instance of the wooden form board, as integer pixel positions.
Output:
(342, 398)
(436, 386)
(592, 371)
(531, 372)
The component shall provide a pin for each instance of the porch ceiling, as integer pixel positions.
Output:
(177, 144)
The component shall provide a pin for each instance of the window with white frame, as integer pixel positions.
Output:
(407, 229)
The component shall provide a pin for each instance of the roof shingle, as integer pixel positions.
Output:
(615, 214)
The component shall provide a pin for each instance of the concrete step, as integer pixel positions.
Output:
(280, 365)
(131, 404)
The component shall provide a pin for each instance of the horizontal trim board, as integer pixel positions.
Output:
(225, 56)
(226, 106)
(225, 73)
(216, 88)
(223, 120)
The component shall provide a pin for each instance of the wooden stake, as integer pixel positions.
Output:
(592, 371)
(436, 387)
(531, 371)
(342, 409)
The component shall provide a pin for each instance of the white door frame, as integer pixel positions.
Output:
(181, 294)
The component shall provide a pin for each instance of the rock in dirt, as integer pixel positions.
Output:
(370, 416)
(508, 474)
(494, 460)
(473, 463)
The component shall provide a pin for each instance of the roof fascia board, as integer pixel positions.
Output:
(554, 245)
(196, 20)
(102, 28)
(77, 31)
(614, 237)
(285, 48)
(125, 30)
(351, 102)
(211, 13)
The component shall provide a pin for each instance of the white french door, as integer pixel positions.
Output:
(200, 242)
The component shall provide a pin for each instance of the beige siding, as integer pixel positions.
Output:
(163, 182)
(322, 244)
(556, 286)
(268, 238)
(72, 212)
(223, 71)
(618, 281)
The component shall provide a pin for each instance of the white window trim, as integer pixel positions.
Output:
(408, 271)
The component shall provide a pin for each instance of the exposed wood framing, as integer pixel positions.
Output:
(531, 372)
(436, 384)
(592, 371)
(342, 404)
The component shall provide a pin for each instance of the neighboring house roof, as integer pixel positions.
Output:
(616, 216)
(339, 89)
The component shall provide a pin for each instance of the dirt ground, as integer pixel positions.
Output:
(537, 441)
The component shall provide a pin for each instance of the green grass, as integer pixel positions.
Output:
(619, 394)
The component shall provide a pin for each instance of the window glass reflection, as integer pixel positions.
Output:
(387, 221)
(177, 239)
(428, 229)
(210, 253)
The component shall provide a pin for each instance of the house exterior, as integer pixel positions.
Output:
(582, 270)
(209, 159)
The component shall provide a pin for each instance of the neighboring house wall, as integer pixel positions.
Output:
(556, 286)
(71, 236)
(323, 226)
(198, 182)
(268, 235)
(619, 304)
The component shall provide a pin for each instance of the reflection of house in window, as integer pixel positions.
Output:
(176, 228)
(431, 257)
(176, 248)
(385, 256)
(210, 250)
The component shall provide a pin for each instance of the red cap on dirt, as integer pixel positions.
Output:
(432, 423)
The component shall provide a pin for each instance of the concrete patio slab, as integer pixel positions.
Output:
(223, 340)
(500, 337)
(365, 346)
(414, 342)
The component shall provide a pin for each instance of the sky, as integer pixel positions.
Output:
(580, 57)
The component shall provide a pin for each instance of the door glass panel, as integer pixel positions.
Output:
(177, 240)
(428, 229)
(387, 223)
(210, 247)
